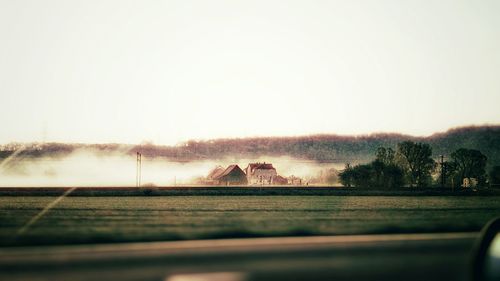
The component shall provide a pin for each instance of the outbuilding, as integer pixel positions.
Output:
(232, 175)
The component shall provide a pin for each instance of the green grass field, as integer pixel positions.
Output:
(122, 219)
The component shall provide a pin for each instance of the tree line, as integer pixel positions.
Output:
(411, 164)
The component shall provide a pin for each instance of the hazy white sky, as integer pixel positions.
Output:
(167, 71)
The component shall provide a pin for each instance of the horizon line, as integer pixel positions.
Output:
(361, 135)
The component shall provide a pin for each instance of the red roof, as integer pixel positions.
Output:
(260, 166)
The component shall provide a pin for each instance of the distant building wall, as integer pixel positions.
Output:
(469, 182)
(260, 173)
(262, 176)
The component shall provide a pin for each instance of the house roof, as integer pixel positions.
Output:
(279, 179)
(228, 170)
(261, 166)
(215, 173)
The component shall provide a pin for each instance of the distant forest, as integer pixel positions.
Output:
(319, 148)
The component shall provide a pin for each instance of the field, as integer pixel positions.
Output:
(82, 219)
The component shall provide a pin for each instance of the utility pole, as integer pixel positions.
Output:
(138, 170)
(443, 172)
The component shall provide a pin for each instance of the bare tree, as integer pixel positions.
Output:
(415, 158)
(470, 163)
(385, 155)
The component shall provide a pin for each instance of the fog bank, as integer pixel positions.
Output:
(91, 168)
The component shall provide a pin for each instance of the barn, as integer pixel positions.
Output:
(232, 175)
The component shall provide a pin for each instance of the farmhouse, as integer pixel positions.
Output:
(232, 175)
(260, 173)
(469, 182)
(254, 174)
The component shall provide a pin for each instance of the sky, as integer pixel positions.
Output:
(169, 71)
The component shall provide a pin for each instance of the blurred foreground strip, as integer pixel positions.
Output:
(212, 276)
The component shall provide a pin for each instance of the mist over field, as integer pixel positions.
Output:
(308, 157)
(91, 168)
